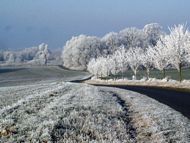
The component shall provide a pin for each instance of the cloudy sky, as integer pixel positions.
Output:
(26, 23)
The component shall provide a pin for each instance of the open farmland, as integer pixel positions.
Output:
(57, 111)
(10, 76)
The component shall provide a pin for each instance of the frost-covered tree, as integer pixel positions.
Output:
(112, 41)
(160, 55)
(92, 67)
(26, 54)
(99, 67)
(43, 54)
(9, 57)
(1, 56)
(79, 50)
(33, 55)
(111, 65)
(115, 65)
(134, 58)
(188, 58)
(153, 32)
(147, 60)
(133, 37)
(178, 44)
(121, 59)
(104, 66)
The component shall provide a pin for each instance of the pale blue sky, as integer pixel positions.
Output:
(24, 23)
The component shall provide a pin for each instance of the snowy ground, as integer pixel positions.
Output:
(57, 111)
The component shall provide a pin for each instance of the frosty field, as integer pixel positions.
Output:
(57, 111)
(94, 71)
(11, 75)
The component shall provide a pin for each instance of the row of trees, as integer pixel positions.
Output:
(167, 51)
(35, 55)
(79, 50)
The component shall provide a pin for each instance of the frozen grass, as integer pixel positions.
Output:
(10, 76)
(62, 113)
(152, 82)
(154, 122)
(71, 113)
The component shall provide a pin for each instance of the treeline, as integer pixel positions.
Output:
(78, 51)
(131, 48)
(38, 55)
(171, 51)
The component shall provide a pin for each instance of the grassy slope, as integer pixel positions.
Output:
(23, 75)
(61, 112)
(70, 112)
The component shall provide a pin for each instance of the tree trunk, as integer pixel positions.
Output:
(122, 73)
(164, 73)
(180, 72)
(45, 60)
(107, 75)
(114, 70)
(135, 74)
(115, 74)
(148, 73)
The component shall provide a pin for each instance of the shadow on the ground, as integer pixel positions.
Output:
(7, 70)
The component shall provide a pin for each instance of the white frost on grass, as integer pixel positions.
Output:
(144, 82)
(30, 96)
(65, 112)
(71, 112)
(154, 121)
